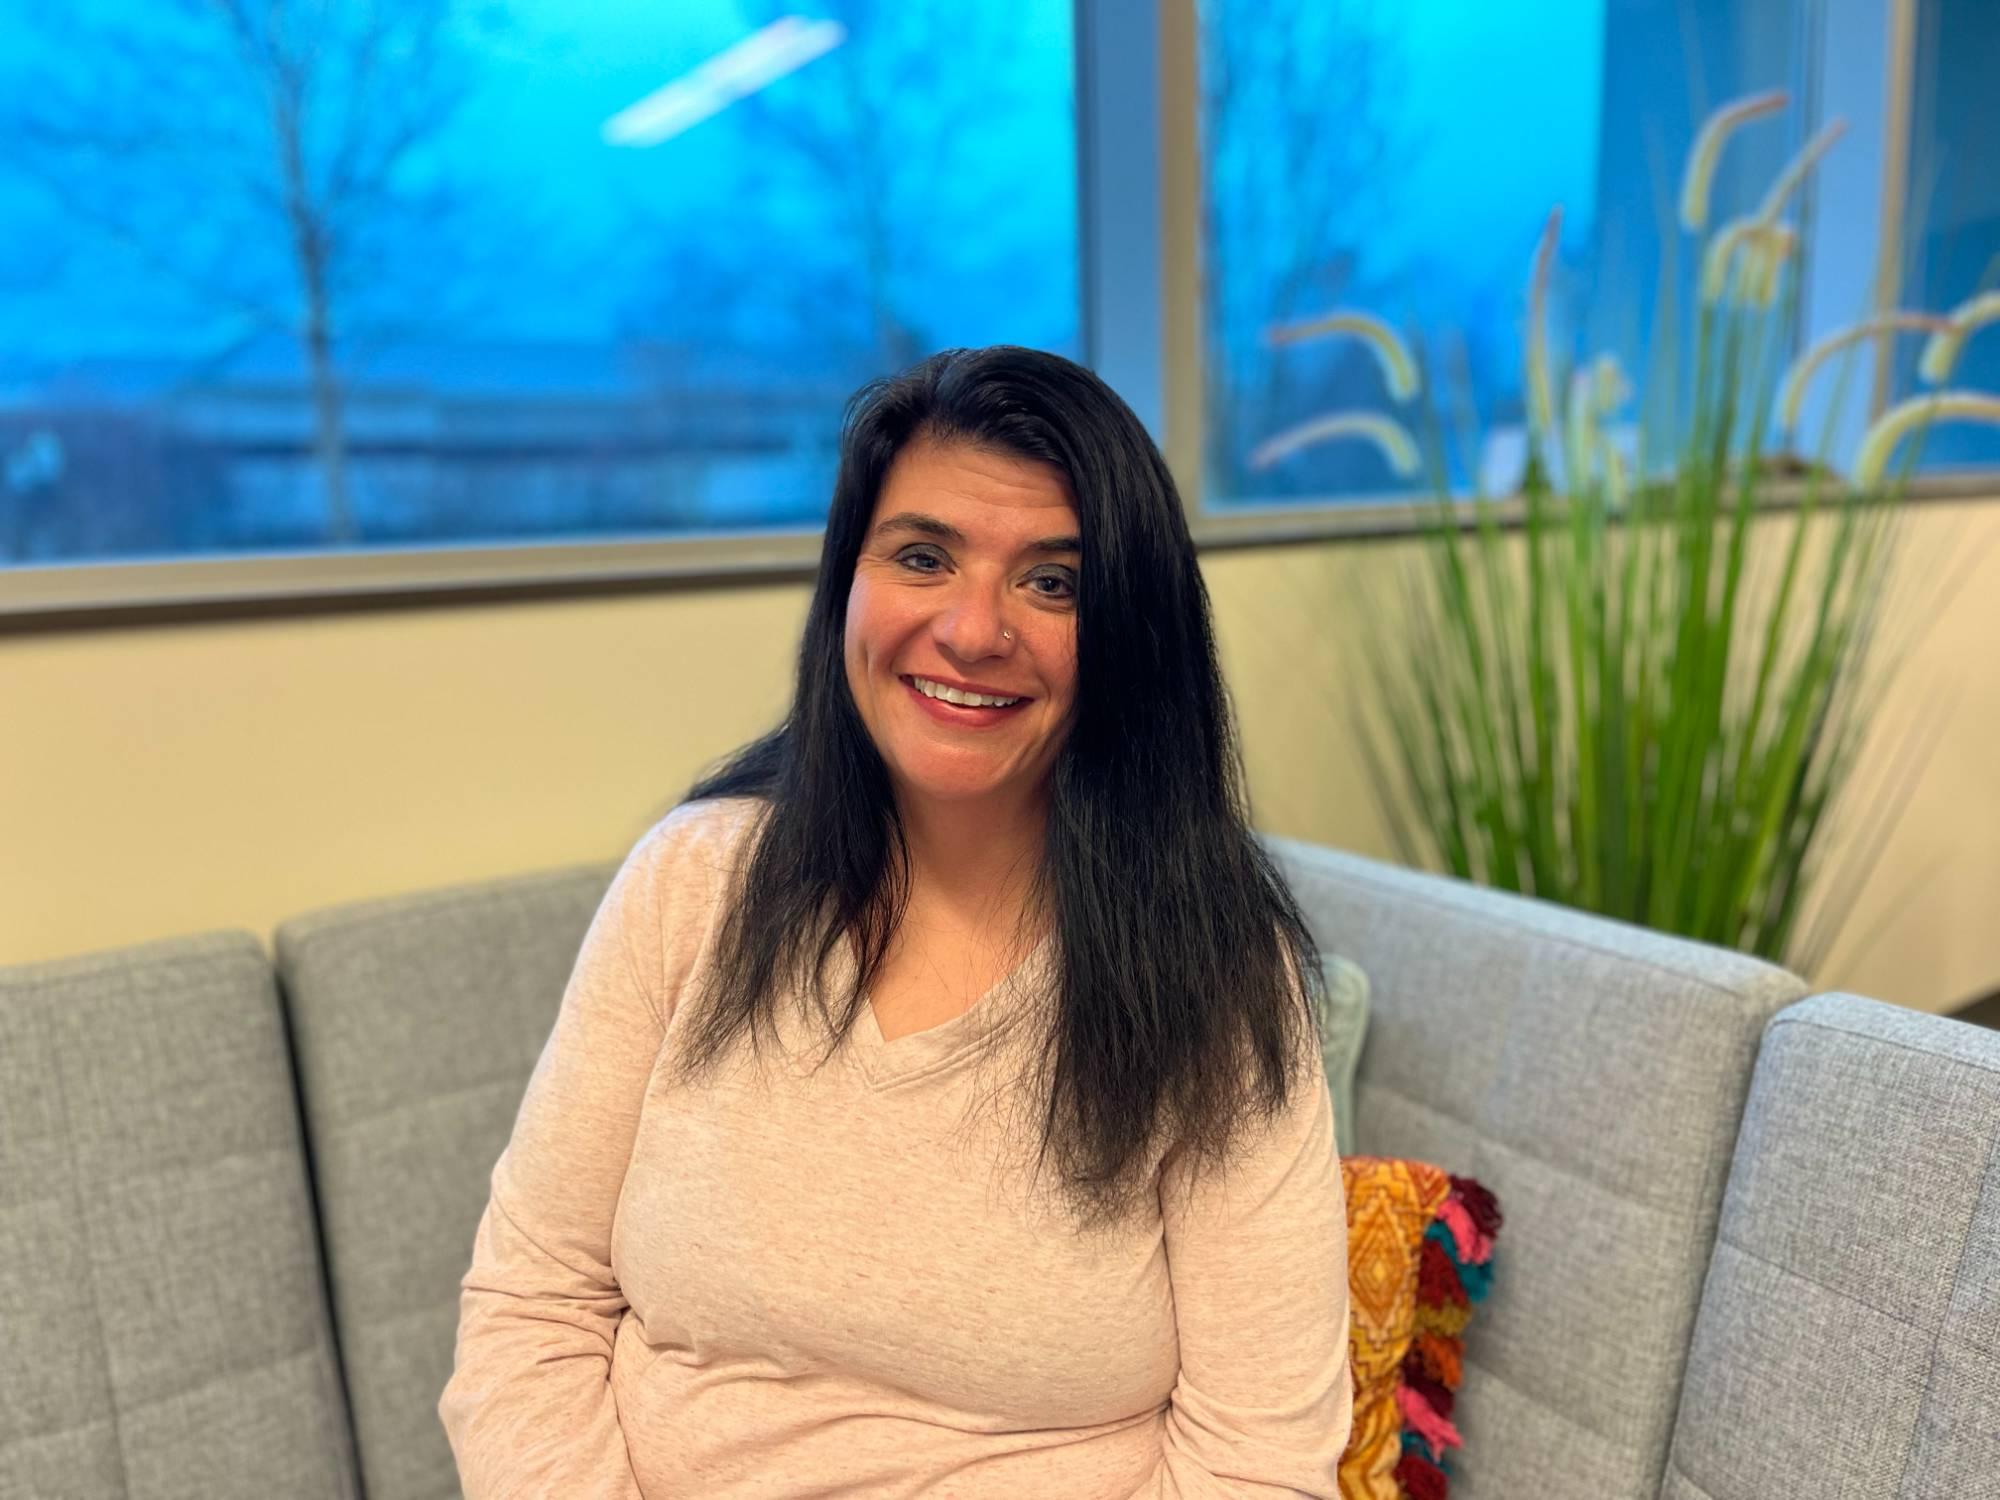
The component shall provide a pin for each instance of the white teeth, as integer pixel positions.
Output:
(952, 695)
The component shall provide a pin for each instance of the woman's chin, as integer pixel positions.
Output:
(951, 784)
(953, 791)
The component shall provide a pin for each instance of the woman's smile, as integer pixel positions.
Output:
(960, 715)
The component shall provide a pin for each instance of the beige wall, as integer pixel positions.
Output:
(175, 779)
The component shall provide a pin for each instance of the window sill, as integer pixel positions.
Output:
(1390, 519)
(139, 593)
(253, 585)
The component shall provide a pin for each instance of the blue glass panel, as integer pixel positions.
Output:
(1403, 160)
(424, 272)
(1953, 224)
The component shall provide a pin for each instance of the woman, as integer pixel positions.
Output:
(1025, 1182)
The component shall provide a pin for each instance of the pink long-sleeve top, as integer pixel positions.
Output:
(787, 1283)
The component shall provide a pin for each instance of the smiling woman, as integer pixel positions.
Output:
(996, 854)
(972, 612)
(962, 666)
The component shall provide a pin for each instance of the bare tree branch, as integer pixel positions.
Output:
(254, 149)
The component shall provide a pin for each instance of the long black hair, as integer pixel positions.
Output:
(1186, 976)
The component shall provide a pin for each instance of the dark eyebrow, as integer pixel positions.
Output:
(944, 531)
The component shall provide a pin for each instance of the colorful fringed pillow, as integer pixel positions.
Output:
(1419, 1255)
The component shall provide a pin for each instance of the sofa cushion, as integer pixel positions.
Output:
(164, 1315)
(418, 1020)
(1343, 1027)
(1849, 1338)
(1591, 1075)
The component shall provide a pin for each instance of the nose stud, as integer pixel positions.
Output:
(1007, 635)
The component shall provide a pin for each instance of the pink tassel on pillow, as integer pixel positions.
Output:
(1474, 1248)
(1480, 1203)
(1431, 1427)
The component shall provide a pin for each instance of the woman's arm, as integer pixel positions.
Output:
(1258, 1260)
(529, 1409)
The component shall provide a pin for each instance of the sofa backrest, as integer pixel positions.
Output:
(1849, 1337)
(163, 1319)
(417, 1022)
(1592, 1075)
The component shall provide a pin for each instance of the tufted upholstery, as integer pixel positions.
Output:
(163, 1324)
(1849, 1338)
(1592, 1076)
(418, 1022)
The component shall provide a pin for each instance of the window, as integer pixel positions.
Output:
(1952, 253)
(361, 275)
(1403, 159)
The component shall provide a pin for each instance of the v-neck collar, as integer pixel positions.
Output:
(921, 1053)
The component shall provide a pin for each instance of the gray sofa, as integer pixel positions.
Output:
(1752, 1242)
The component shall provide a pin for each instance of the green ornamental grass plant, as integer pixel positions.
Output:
(1646, 699)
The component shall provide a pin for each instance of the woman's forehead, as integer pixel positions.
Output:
(988, 475)
(974, 492)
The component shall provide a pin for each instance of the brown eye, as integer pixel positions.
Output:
(1066, 591)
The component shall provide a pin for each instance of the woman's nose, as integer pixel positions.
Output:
(972, 624)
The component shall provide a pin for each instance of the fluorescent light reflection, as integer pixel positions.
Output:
(759, 59)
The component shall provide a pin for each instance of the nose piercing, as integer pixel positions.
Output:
(1007, 635)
